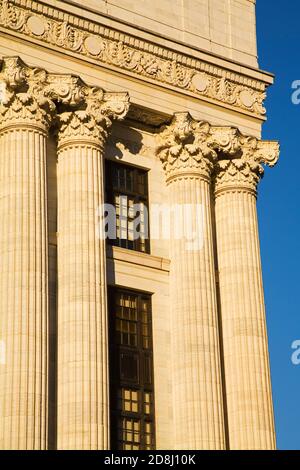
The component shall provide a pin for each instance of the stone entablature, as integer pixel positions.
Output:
(139, 57)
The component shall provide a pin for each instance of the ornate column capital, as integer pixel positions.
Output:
(22, 98)
(240, 165)
(184, 148)
(190, 148)
(90, 122)
(33, 97)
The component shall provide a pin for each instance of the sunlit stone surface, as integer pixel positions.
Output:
(174, 88)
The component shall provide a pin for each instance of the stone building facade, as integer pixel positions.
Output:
(126, 343)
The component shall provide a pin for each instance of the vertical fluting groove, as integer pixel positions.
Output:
(50, 177)
(220, 323)
(82, 304)
(24, 288)
(198, 408)
(246, 361)
(267, 417)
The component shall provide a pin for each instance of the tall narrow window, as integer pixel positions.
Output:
(131, 371)
(127, 191)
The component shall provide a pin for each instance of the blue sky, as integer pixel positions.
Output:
(278, 29)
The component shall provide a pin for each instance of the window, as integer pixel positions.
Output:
(127, 191)
(131, 371)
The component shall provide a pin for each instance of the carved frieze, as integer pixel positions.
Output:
(142, 58)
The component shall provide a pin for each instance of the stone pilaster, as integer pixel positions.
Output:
(83, 389)
(197, 405)
(246, 360)
(24, 120)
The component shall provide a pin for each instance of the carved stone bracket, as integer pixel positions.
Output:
(139, 57)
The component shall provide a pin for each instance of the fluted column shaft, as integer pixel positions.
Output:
(82, 359)
(83, 409)
(245, 346)
(23, 283)
(82, 364)
(198, 412)
(31, 100)
(196, 370)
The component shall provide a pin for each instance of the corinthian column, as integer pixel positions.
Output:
(197, 404)
(83, 389)
(247, 374)
(24, 121)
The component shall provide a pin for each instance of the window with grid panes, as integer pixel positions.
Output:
(127, 191)
(131, 371)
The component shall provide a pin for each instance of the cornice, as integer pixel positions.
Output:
(144, 59)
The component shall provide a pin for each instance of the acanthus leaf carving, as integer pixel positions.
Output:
(225, 140)
(183, 148)
(32, 94)
(263, 152)
(23, 97)
(237, 175)
(234, 160)
(93, 122)
(65, 35)
(67, 89)
(240, 166)
(115, 105)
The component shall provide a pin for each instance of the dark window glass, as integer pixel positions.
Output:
(131, 371)
(127, 191)
(129, 367)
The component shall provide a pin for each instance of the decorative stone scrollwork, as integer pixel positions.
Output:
(225, 140)
(188, 147)
(242, 171)
(93, 121)
(183, 148)
(32, 95)
(22, 95)
(60, 29)
(66, 89)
